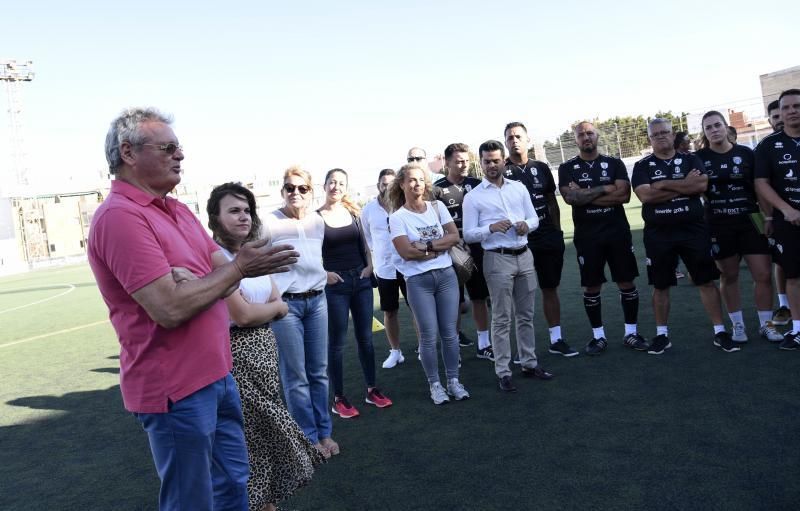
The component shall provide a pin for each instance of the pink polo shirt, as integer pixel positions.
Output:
(136, 238)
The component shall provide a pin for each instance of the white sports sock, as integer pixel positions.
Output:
(763, 317)
(796, 326)
(662, 330)
(598, 332)
(736, 317)
(555, 334)
(483, 339)
(718, 329)
(630, 329)
(783, 300)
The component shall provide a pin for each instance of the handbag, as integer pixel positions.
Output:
(463, 263)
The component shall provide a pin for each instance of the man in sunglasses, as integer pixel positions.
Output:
(669, 184)
(163, 279)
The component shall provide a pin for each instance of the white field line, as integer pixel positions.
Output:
(70, 289)
(51, 334)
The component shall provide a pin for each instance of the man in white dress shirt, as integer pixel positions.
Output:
(499, 215)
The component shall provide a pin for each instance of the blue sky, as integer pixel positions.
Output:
(257, 86)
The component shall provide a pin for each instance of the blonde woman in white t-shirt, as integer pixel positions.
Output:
(422, 232)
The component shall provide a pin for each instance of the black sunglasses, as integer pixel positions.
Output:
(415, 158)
(303, 189)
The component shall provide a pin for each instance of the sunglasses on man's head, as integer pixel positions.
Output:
(290, 188)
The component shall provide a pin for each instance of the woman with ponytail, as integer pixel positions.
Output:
(347, 260)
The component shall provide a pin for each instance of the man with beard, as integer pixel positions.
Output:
(777, 175)
(669, 185)
(596, 186)
(783, 315)
(451, 190)
(547, 242)
(498, 214)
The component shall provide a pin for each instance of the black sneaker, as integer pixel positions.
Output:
(596, 346)
(416, 349)
(723, 341)
(486, 353)
(635, 342)
(562, 348)
(791, 341)
(659, 344)
(464, 341)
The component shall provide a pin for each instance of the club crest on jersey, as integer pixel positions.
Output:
(468, 187)
(737, 160)
(534, 171)
(603, 165)
(707, 163)
(678, 161)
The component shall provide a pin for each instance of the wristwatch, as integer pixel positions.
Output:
(429, 246)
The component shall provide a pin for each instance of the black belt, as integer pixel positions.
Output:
(509, 251)
(302, 296)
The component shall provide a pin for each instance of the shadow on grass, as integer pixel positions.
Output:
(90, 455)
(110, 370)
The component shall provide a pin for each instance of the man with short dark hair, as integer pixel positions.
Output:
(498, 214)
(669, 184)
(782, 315)
(596, 186)
(778, 187)
(163, 280)
(451, 190)
(547, 242)
(375, 220)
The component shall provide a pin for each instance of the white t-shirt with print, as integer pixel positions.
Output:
(422, 227)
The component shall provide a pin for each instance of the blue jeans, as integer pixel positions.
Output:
(354, 295)
(199, 450)
(433, 297)
(302, 337)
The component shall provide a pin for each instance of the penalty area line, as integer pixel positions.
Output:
(51, 334)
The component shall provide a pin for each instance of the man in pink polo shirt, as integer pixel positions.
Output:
(175, 357)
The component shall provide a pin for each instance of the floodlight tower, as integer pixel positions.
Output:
(13, 73)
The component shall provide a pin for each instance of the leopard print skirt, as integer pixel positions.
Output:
(281, 458)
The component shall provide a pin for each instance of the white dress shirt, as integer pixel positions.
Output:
(306, 236)
(488, 204)
(375, 221)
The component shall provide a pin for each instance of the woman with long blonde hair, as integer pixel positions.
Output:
(422, 232)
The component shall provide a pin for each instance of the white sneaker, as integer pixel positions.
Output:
(438, 395)
(739, 333)
(395, 357)
(455, 389)
(769, 332)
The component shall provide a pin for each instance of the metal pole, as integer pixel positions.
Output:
(619, 146)
(561, 149)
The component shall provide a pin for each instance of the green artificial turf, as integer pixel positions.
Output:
(695, 428)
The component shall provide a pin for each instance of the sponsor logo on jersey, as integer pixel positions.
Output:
(451, 201)
(585, 175)
(658, 172)
(707, 163)
(604, 173)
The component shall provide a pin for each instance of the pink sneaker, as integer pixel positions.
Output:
(343, 408)
(374, 397)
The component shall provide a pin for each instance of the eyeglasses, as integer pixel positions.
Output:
(415, 158)
(167, 148)
(290, 188)
(662, 133)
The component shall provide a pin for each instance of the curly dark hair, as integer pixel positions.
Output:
(212, 208)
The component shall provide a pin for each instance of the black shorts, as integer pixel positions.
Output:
(664, 244)
(476, 285)
(787, 247)
(389, 292)
(743, 238)
(614, 247)
(548, 258)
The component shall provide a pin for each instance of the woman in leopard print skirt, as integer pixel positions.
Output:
(281, 458)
